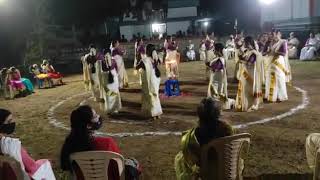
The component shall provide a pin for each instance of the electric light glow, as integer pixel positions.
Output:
(267, 2)
(156, 27)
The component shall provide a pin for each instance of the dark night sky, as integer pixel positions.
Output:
(16, 17)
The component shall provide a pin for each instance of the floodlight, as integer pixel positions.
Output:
(267, 2)
(156, 27)
(206, 23)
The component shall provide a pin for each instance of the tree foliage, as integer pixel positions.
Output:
(37, 41)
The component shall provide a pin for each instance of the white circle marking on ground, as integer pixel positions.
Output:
(56, 123)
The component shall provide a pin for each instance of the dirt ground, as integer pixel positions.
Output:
(277, 147)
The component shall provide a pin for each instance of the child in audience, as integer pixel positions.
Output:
(12, 147)
(210, 127)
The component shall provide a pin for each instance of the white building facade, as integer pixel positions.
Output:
(292, 15)
(177, 17)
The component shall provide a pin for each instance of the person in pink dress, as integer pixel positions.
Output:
(12, 147)
(15, 80)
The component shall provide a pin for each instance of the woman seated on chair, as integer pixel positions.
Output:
(5, 85)
(52, 73)
(84, 120)
(210, 127)
(42, 78)
(16, 85)
(26, 82)
(12, 147)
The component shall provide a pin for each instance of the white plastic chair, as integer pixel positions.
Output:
(316, 173)
(94, 164)
(222, 158)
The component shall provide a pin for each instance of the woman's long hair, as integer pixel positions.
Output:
(114, 43)
(4, 114)
(249, 42)
(218, 47)
(150, 48)
(80, 138)
(209, 113)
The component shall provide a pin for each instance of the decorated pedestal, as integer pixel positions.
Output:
(172, 87)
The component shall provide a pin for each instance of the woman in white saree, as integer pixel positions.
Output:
(293, 44)
(172, 59)
(218, 76)
(202, 50)
(110, 85)
(278, 71)
(150, 75)
(238, 49)
(210, 55)
(86, 74)
(117, 54)
(92, 73)
(249, 94)
(230, 48)
(88, 61)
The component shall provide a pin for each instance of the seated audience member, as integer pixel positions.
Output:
(41, 77)
(191, 54)
(14, 80)
(210, 127)
(52, 73)
(230, 48)
(309, 51)
(26, 82)
(6, 91)
(84, 121)
(293, 44)
(12, 147)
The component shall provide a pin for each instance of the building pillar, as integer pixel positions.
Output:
(292, 9)
(312, 5)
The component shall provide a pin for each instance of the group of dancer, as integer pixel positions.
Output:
(258, 64)
(14, 85)
(105, 74)
(262, 71)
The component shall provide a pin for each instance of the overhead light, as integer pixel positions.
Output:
(156, 27)
(206, 23)
(2, 2)
(267, 2)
